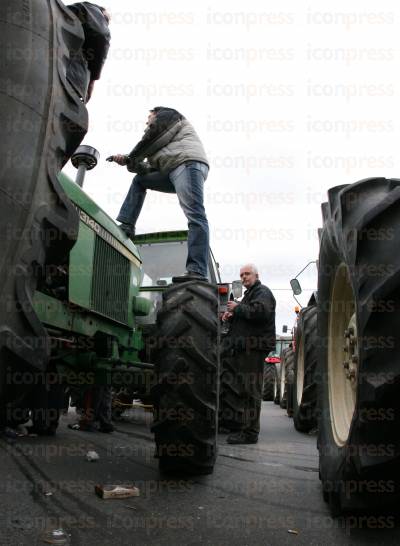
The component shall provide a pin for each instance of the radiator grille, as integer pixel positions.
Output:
(110, 286)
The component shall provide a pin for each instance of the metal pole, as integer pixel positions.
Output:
(80, 175)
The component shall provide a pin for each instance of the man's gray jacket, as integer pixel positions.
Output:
(167, 143)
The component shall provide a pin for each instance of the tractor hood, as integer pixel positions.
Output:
(95, 213)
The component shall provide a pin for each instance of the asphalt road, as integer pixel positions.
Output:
(255, 496)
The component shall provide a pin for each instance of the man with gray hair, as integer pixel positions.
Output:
(251, 337)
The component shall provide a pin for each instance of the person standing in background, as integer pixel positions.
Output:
(251, 336)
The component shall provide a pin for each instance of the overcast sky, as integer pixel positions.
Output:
(289, 99)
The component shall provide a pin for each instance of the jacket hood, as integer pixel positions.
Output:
(165, 117)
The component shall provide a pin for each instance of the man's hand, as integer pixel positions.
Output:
(231, 306)
(226, 316)
(119, 159)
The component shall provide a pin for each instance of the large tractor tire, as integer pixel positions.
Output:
(230, 400)
(268, 382)
(305, 361)
(289, 383)
(187, 386)
(359, 346)
(286, 375)
(44, 121)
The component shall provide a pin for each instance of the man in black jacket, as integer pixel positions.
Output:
(251, 338)
(86, 63)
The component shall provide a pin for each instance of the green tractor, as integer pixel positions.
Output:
(78, 298)
(112, 314)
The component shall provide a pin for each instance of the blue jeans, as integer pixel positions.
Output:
(187, 182)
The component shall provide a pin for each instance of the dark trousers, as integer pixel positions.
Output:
(97, 405)
(250, 367)
(42, 404)
(46, 403)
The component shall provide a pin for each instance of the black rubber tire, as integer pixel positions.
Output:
(361, 230)
(277, 372)
(305, 403)
(286, 372)
(187, 379)
(289, 382)
(268, 382)
(230, 402)
(45, 121)
(282, 383)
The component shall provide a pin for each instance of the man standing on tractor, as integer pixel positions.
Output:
(251, 337)
(176, 163)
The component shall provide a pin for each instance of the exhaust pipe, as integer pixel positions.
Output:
(84, 159)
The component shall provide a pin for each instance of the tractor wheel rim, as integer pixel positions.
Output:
(343, 355)
(300, 371)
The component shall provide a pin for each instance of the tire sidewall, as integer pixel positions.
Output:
(333, 461)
